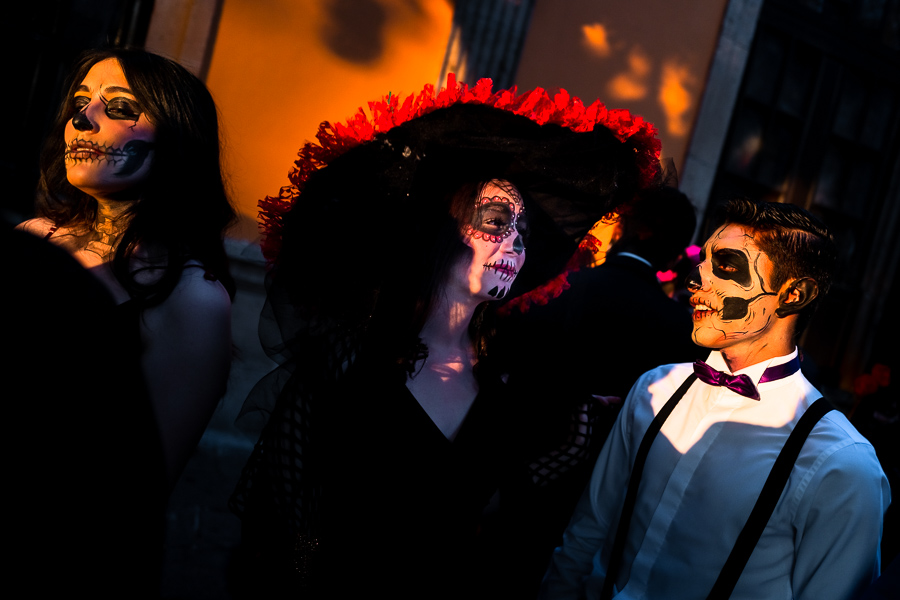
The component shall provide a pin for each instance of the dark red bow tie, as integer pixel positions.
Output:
(742, 384)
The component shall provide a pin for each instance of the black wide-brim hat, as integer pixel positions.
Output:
(373, 187)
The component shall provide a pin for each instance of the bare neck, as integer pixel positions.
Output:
(780, 342)
(110, 222)
(111, 213)
(446, 331)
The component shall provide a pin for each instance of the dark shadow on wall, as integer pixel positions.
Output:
(355, 29)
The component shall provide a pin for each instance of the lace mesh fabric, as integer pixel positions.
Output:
(277, 476)
(573, 452)
(279, 492)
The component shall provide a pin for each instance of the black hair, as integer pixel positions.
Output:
(182, 209)
(657, 225)
(797, 244)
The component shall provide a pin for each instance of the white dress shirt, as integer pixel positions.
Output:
(702, 477)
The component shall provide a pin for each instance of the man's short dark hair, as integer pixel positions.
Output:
(796, 242)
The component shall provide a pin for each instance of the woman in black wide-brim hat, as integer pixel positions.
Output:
(388, 439)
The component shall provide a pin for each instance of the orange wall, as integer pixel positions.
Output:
(279, 68)
(648, 56)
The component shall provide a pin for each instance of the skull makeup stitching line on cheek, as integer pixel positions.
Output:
(731, 298)
(507, 272)
(132, 155)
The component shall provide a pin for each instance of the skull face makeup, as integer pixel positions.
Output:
(496, 235)
(732, 299)
(109, 141)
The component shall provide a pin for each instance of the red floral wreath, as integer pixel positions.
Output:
(561, 109)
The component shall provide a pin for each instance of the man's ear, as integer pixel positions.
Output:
(796, 296)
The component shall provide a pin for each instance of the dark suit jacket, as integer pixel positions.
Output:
(613, 324)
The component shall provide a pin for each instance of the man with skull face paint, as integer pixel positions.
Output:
(760, 276)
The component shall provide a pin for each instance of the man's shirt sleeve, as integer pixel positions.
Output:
(838, 524)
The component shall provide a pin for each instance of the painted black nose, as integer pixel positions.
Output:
(694, 279)
(81, 122)
(518, 245)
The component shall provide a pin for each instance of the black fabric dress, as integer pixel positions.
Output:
(397, 508)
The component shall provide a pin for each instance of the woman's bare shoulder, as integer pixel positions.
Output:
(197, 295)
(38, 226)
(193, 321)
(71, 239)
(198, 285)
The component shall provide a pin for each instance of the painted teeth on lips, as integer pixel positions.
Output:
(83, 149)
(91, 147)
(83, 153)
(702, 307)
(506, 270)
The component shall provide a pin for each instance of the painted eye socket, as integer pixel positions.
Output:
(494, 218)
(522, 227)
(123, 109)
(79, 102)
(727, 268)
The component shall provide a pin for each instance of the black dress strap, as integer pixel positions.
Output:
(615, 560)
(768, 498)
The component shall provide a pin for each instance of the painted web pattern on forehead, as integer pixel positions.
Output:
(560, 109)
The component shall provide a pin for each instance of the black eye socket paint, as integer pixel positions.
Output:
(117, 109)
(136, 152)
(494, 218)
(122, 109)
(732, 265)
(518, 245)
(522, 225)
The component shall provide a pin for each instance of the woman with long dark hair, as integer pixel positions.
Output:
(389, 428)
(131, 186)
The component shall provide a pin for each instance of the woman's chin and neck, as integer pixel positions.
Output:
(113, 205)
(448, 323)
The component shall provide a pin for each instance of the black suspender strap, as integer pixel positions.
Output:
(768, 498)
(615, 559)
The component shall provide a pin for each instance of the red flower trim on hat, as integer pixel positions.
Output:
(561, 109)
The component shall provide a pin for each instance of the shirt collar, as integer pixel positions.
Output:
(636, 257)
(754, 372)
